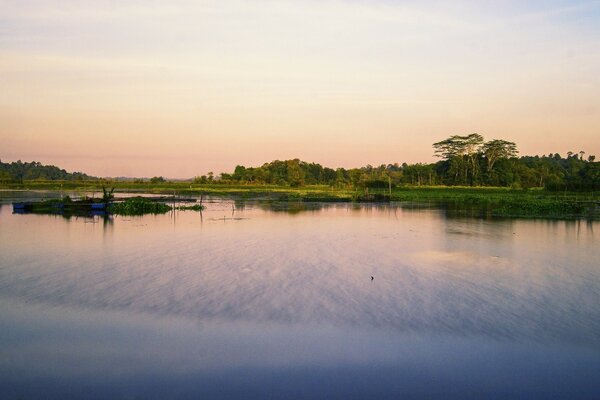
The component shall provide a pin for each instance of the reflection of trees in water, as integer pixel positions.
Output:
(92, 217)
(450, 209)
(291, 207)
(297, 207)
(240, 204)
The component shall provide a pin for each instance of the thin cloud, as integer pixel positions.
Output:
(544, 15)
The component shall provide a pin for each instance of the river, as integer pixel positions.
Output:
(253, 301)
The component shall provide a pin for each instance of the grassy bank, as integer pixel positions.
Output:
(504, 202)
(491, 201)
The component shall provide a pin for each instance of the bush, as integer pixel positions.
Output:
(139, 206)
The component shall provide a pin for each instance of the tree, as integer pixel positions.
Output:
(239, 173)
(496, 149)
(200, 180)
(5, 176)
(461, 152)
(295, 174)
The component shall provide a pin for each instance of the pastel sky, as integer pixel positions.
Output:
(180, 88)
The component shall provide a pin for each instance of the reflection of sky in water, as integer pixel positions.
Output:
(266, 293)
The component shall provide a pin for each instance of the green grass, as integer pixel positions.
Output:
(504, 202)
(494, 201)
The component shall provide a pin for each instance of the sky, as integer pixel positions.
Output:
(181, 88)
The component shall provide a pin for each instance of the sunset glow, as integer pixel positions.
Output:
(135, 88)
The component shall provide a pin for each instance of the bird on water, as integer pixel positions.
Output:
(372, 278)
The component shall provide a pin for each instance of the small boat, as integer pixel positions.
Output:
(58, 206)
(22, 206)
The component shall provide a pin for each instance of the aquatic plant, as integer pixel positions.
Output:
(107, 195)
(195, 207)
(139, 206)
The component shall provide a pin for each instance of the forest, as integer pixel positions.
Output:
(463, 161)
(20, 171)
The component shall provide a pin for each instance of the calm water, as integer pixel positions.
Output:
(249, 301)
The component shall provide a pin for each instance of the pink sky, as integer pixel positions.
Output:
(130, 89)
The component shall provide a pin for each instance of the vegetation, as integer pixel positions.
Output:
(468, 201)
(464, 161)
(27, 171)
(195, 207)
(471, 173)
(141, 205)
(157, 179)
(138, 206)
(85, 206)
(107, 195)
(505, 202)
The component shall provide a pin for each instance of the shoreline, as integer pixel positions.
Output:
(471, 201)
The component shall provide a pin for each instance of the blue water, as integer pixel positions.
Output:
(253, 301)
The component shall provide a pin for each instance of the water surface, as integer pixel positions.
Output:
(258, 301)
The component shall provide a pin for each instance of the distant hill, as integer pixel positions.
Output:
(19, 171)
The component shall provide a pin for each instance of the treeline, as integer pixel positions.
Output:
(19, 171)
(464, 161)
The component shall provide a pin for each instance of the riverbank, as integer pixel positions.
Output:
(477, 201)
(88, 206)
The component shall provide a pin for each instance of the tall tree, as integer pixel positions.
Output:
(496, 149)
(462, 152)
